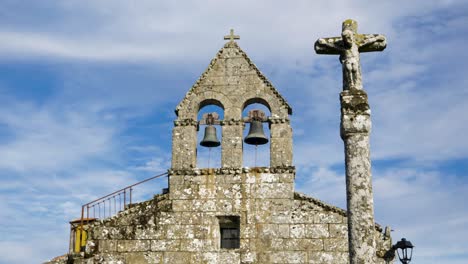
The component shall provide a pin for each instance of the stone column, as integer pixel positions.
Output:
(281, 142)
(184, 144)
(231, 153)
(355, 130)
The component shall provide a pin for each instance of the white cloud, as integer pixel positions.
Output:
(76, 139)
(419, 207)
(50, 139)
(110, 30)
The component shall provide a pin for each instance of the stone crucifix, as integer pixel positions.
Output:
(348, 46)
(355, 129)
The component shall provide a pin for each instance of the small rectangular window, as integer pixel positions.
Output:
(229, 227)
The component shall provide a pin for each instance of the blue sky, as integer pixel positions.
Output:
(88, 91)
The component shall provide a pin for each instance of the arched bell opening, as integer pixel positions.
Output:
(256, 134)
(209, 134)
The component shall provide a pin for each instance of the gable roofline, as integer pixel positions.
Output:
(233, 44)
(327, 207)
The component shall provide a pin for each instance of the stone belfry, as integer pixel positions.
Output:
(231, 82)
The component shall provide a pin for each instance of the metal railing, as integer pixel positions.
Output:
(110, 204)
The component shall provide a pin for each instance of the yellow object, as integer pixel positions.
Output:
(78, 234)
(78, 228)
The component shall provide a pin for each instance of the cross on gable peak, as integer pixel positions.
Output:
(231, 37)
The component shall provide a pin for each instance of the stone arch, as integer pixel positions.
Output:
(207, 102)
(197, 101)
(272, 103)
(256, 100)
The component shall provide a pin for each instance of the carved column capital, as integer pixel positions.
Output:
(355, 113)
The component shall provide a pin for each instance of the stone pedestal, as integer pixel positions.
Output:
(355, 129)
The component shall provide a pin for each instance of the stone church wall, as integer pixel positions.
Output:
(276, 224)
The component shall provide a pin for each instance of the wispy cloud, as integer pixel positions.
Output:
(119, 68)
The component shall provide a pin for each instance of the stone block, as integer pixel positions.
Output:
(192, 245)
(177, 257)
(268, 178)
(328, 218)
(317, 231)
(336, 244)
(133, 245)
(168, 244)
(248, 257)
(283, 231)
(229, 256)
(176, 231)
(328, 257)
(143, 257)
(273, 190)
(338, 230)
(205, 257)
(176, 180)
(206, 191)
(107, 245)
(267, 230)
(286, 178)
(224, 206)
(229, 191)
(287, 257)
(203, 205)
(167, 218)
(183, 192)
(248, 231)
(297, 231)
(149, 232)
(182, 205)
(282, 217)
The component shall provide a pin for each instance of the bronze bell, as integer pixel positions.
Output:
(256, 135)
(210, 139)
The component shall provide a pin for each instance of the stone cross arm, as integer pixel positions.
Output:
(364, 42)
(349, 46)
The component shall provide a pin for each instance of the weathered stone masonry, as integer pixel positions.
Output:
(277, 225)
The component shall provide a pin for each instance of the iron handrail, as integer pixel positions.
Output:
(130, 186)
(109, 196)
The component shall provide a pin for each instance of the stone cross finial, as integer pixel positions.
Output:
(231, 37)
(348, 46)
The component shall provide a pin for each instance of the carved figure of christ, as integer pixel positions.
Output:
(348, 46)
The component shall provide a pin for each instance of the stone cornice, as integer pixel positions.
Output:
(278, 120)
(232, 122)
(231, 171)
(185, 122)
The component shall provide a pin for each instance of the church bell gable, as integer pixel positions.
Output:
(231, 82)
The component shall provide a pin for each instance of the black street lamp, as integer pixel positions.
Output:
(401, 247)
